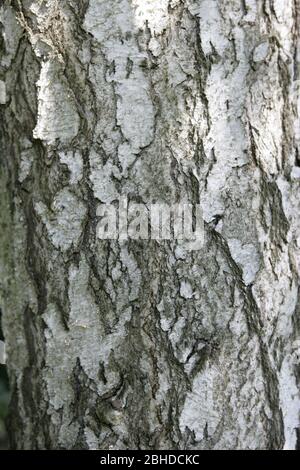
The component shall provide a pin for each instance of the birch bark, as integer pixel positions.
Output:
(141, 344)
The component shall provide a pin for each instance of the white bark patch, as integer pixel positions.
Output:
(58, 360)
(247, 257)
(210, 26)
(105, 19)
(125, 156)
(74, 162)
(64, 222)
(251, 8)
(226, 138)
(202, 408)
(91, 438)
(57, 114)
(290, 402)
(186, 290)
(110, 22)
(102, 178)
(176, 338)
(135, 112)
(284, 10)
(155, 13)
(295, 174)
(2, 92)
(85, 340)
(267, 134)
(260, 52)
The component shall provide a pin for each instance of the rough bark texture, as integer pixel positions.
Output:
(145, 344)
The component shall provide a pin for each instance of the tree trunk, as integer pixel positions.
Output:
(144, 343)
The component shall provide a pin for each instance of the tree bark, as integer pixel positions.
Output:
(145, 344)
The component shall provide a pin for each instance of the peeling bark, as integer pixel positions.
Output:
(145, 344)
